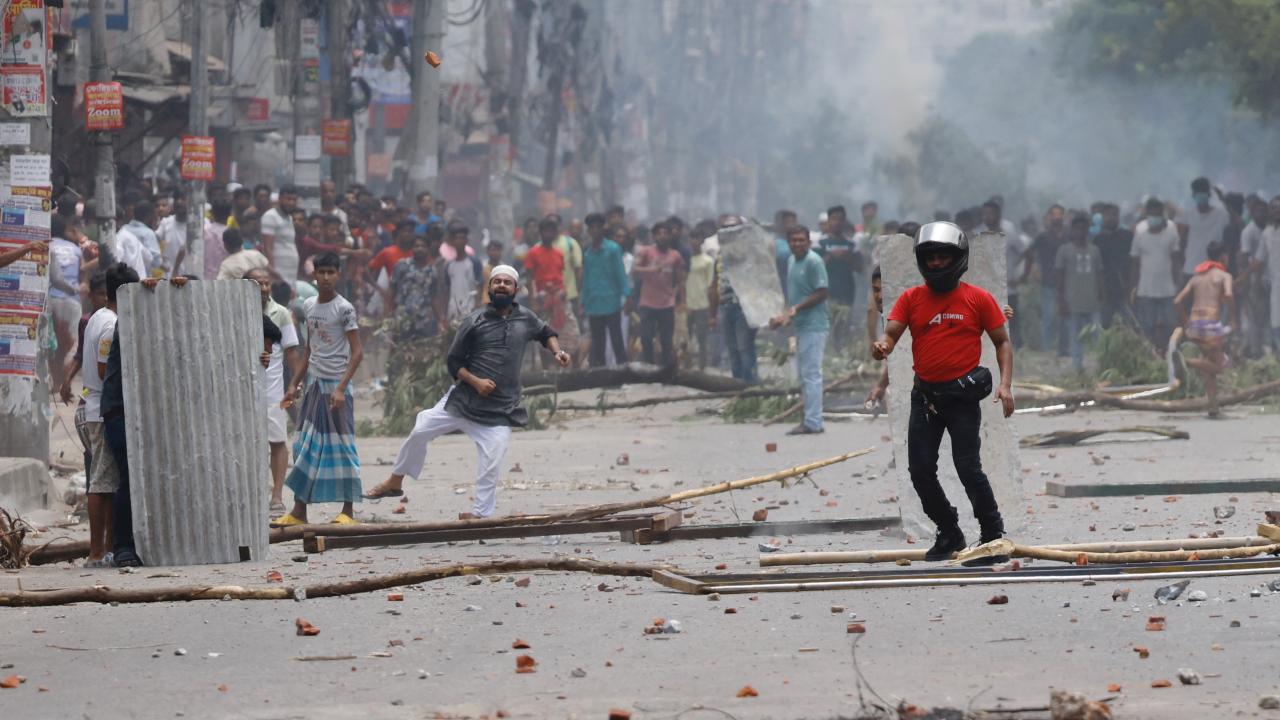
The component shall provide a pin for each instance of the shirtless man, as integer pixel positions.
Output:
(1209, 289)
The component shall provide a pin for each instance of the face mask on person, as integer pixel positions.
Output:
(1095, 225)
(1201, 198)
(1156, 223)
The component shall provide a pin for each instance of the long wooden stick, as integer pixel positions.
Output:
(833, 385)
(183, 593)
(72, 551)
(879, 556)
(1007, 547)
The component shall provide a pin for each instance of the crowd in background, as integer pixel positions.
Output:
(617, 290)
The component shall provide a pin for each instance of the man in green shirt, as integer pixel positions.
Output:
(604, 285)
(1080, 287)
(807, 313)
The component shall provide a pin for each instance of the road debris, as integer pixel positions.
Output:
(1187, 676)
(1169, 593)
(526, 664)
(305, 628)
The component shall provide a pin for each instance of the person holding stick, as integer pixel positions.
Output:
(947, 319)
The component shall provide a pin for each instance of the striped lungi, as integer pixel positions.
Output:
(326, 467)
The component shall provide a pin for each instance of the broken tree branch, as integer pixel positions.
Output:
(1072, 437)
(1257, 392)
(795, 408)
(646, 402)
(633, 373)
(186, 593)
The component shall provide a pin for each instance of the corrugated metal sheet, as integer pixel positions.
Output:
(197, 435)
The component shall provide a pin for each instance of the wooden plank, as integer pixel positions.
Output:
(492, 533)
(1175, 487)
(1270, 532)
(678, 582)
(666, 521)
(782, 527)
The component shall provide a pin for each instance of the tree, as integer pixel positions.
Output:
(1236, 39)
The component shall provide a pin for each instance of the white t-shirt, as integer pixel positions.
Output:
(1269, 255)
(272, 376)
(1250, 237)
(1202, 229)
(173, 238)
(462, 288)
(1155, 251)
(285, 246)
(129, 250)
(327, 327)
(97, 345)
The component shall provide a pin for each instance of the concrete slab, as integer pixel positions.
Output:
(24, 485)
(999, 441)
(1177, 487)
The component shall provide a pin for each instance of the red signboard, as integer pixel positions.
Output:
(259, 110)
(335, 137)
(198, 157)
(103, 106)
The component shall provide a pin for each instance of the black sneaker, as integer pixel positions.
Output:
(947, 543)
(985, 538)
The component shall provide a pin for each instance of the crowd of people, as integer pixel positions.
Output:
(600, 291)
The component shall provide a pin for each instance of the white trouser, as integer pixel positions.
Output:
(491, 445)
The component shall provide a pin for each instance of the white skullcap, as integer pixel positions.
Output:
(505, 270)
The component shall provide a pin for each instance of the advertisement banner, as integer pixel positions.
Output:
(19, 344)
(258, 110)
(22, 90)
(24, 284)
(199, 157)
(26, 33)
(103, 106)
(336, 137)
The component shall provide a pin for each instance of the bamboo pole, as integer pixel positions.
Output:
(879, 556)
(185, 593)
(1005, 546)
(72, 551)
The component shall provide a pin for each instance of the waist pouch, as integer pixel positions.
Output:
(972, 386)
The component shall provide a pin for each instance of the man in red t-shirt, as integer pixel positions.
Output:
(947, 319)
(545, 266)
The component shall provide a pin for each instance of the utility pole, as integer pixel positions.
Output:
(104, 176)
(24, 401)
(340, 166)
(497, 58)
(198, 124)
(424, 130)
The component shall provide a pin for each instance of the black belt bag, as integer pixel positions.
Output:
(972, 386)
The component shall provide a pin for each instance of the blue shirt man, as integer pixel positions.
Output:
(807, 313)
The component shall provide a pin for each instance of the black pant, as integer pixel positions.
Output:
(963, 421)
(658, 321)
(612, 324)
(114, 434)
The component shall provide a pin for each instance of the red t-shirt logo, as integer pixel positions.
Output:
(946, 328)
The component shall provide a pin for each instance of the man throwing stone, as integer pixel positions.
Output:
(485, 359)
(947, 319)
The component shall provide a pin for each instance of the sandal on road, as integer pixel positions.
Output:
(286, 520)
(379, 492)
